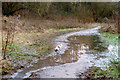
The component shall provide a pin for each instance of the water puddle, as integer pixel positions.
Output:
(92, 42)
(77, 51)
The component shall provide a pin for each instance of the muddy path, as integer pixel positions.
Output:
(79, 51)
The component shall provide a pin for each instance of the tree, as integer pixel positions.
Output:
(101, 10)
(9, 8)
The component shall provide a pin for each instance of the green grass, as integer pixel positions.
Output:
(114, 70)
(43, 49)
(111, 38)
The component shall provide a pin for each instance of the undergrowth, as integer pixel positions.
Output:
(113, 71)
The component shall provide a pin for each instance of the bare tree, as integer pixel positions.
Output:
(7, 39)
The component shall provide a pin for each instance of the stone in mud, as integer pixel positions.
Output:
(53, 76)
(18, 66)
(33, 75)
(81, 53)
(67, 73)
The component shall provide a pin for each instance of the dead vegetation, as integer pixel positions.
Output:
(5, 67)
(110, 28)
(113, 27)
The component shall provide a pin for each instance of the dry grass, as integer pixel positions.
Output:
(52, 21)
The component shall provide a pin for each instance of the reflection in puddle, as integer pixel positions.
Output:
(91, 42)
(79, 45)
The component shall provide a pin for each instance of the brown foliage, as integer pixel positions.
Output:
(110, 28)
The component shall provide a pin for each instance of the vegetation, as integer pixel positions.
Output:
(87, 10)
(112, 71)
(110, 38)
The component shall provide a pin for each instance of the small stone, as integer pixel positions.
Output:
(65, 70)
(53, 76)
(67, 74)
(22, 66)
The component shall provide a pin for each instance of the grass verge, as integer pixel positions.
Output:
(113, 69)
(112, 39)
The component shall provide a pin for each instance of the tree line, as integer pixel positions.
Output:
(95, 10)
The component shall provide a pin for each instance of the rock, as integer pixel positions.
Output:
(33, 74)
(22, 66)
(53, 76)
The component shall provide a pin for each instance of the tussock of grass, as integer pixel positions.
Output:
(5, 66)
(111, 38)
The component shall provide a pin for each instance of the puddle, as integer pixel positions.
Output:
(78, 52)
(92, 42)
